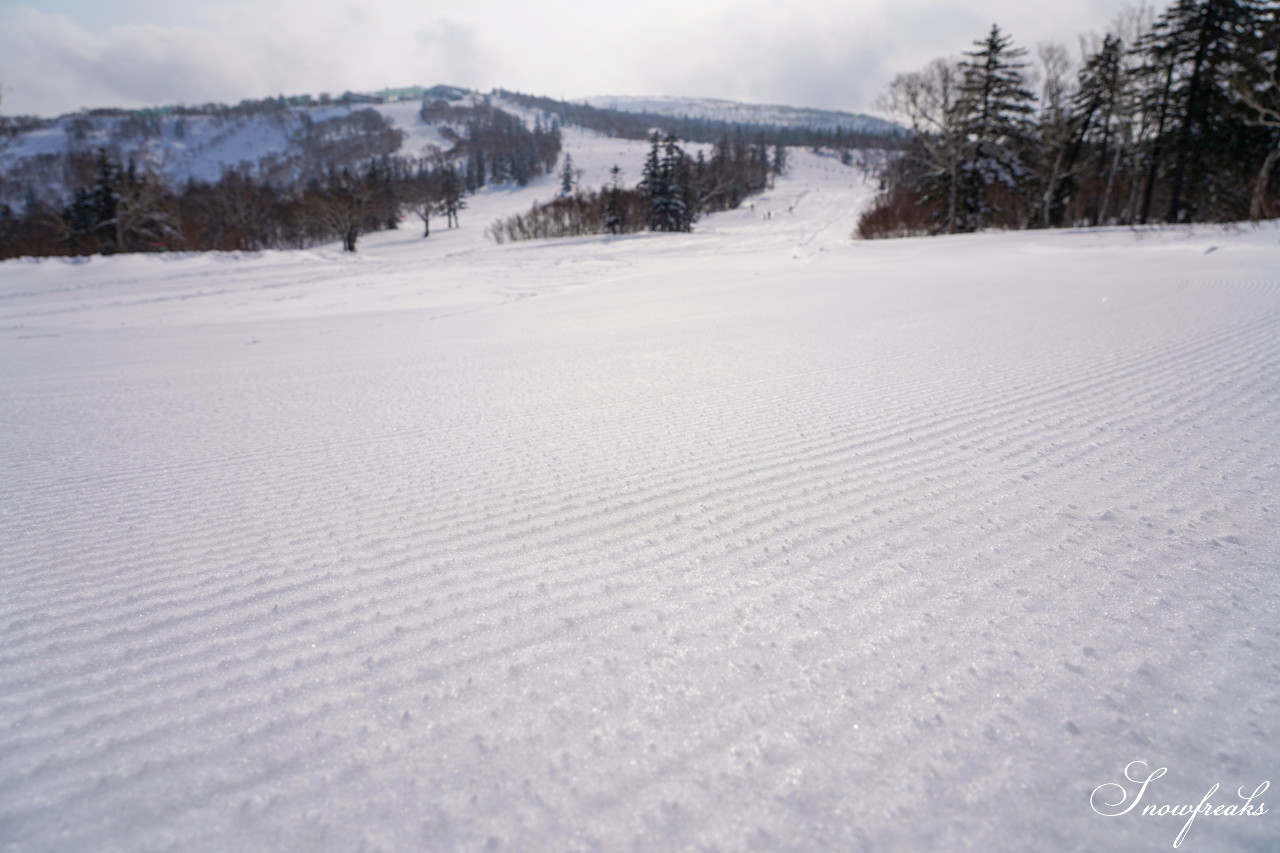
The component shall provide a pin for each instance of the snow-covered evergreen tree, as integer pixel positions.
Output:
(567, 176)
(614, 202)
(653, 184)
(677, 207)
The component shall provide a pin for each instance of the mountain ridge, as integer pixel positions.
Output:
(722, 109)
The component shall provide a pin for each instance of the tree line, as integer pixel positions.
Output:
(1169, 119)
(497, 147)
(639, 125)
(335, 186)
(675, 190)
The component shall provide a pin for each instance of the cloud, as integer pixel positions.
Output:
(823, 53)
(830, 55)
(50, 64)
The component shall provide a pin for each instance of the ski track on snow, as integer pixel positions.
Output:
(750, 539)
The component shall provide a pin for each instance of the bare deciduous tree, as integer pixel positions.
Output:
(930, 102)
(1056, 124)
(1257, 86)
(340, 205)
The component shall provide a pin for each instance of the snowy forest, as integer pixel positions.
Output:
(344, 177)
(674, 191)
(641, 125)
(1169, 119)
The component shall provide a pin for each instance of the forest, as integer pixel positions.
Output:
(1170, 118)
(640, 125)
(342, 178)
(674, 191)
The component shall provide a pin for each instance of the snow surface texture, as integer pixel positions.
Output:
(754, 538)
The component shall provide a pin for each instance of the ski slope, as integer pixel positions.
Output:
(182, 148)
(755, 538)
(716, 109)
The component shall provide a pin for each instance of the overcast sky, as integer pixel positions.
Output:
(58, 56)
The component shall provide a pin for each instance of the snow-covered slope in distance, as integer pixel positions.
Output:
(748, 539)
(191, 147)
(732, 111)
(181, 148)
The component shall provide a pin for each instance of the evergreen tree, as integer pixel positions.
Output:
(996, 106)
(1198, 43)
(1097, 106)
(653, 184)
(668, 186)
(91, 216)
(678, 210)
(1183, 125)
(567, 177)
(614, 211)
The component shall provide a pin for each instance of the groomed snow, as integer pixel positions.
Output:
(757, 538)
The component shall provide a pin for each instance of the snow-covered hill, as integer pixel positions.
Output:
(732, 111)
(270, 143)
(754, 538)
(198, 147)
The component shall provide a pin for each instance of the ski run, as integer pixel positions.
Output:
(756, 538)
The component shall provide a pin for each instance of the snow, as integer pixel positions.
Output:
(721, 110)
(209, 145)
(420, 138)
(206, 147)
(755, 538)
